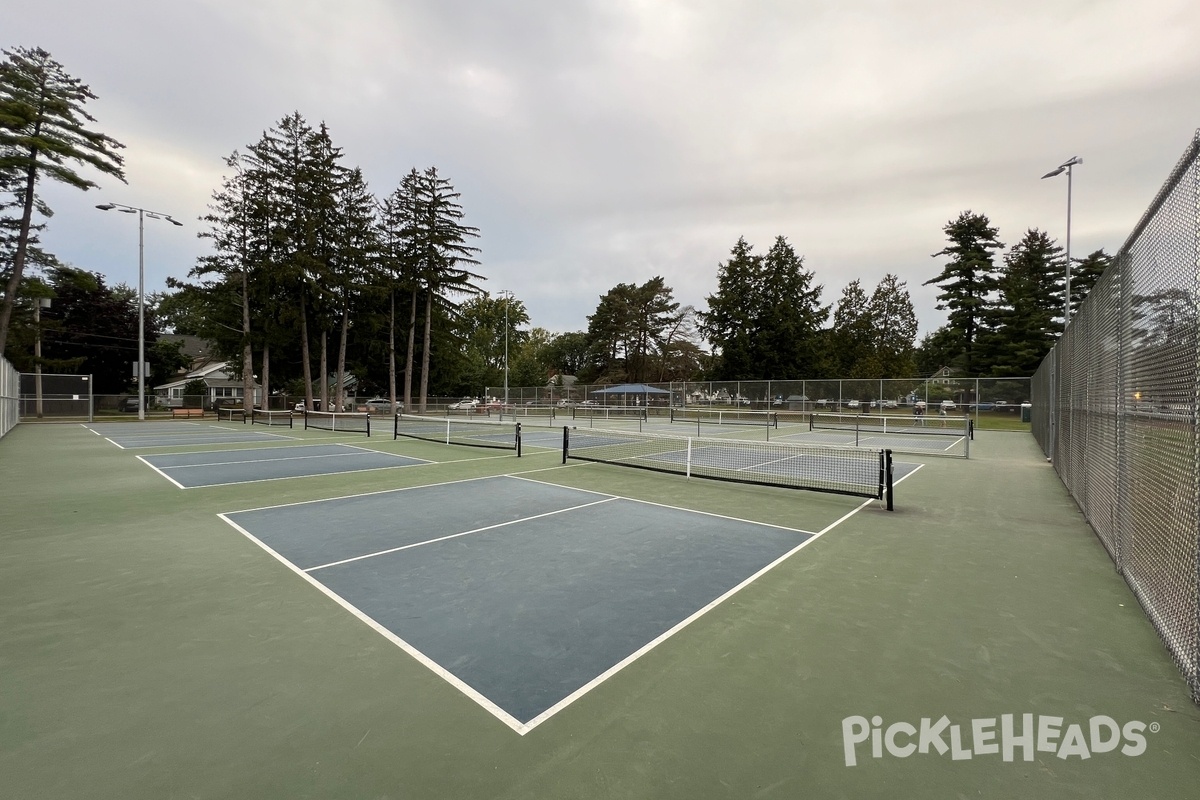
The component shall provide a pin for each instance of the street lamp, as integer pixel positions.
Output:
(507, 295)
(140, 369)
(1067, 167)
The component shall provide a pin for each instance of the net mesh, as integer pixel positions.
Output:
(1115, 409)
(899, 425)
(852, 471)
(608, 412)
(471, 432)
(342, 422)
(231, 415)
(707, 416)
(266, 417)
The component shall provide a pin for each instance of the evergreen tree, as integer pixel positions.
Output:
(352, 259)
(438, 246)
(789, 340)
(895, 322)
(968, 279)
(629, 326)
(731, 322)
(1022, 324)
(941, 348)
(766, 318)
(300, 175)
(1084, 274)
(42, 132)
(853, 334)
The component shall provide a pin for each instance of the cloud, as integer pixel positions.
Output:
(604, 142)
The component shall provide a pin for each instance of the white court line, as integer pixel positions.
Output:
(283, 459)
(646, 648)
(301, 477)
(434, 667)
(513, 723)
(457, 535)
(160, 472)
(670, 507)
(368, 494)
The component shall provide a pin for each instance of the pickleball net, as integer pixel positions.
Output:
(936, 435)
(339, 421)
(934, 425)
(268, 417)
(608, 412)
(706, 416)
(840, 470)
(464, 431)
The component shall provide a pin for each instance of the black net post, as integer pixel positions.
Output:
(518, 434)
(566, 442)
(888, 483)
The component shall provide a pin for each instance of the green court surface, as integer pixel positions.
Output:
(150, 650)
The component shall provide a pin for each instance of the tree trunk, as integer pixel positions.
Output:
(14, 281)
(247, 351)
(425, 351)
(325, 372)
(392, 352)
(306, 356)
(412, 335)
(341, 360)
(266, 379)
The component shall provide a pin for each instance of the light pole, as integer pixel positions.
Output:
(507, 295)
(1072, 161)
(140, 369)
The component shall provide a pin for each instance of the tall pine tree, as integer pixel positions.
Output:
(43, 131)
(967, 280)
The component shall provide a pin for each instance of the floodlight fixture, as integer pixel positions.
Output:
(1066, 167)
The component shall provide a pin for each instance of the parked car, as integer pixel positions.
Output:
(465, 404)
(889, 404)
(948, 405)
(381, 405)
(589, 403)
(852, 404)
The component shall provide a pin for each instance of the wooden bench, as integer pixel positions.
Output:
(187, 412)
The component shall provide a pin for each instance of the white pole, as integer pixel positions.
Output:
(141, 365)
(1067, 315)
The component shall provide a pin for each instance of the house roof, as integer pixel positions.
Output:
(214, 374)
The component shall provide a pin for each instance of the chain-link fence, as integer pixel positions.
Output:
(1115, 409)
(991, 402)
(48, 395)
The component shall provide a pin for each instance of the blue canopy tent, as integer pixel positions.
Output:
(640, 392)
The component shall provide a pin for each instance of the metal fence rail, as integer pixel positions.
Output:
(1115, 409)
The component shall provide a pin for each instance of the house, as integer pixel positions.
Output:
(944, 376)
(223, 387)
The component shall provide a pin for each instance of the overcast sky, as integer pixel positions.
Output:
(603, 142)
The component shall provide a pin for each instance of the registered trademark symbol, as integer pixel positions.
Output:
(1155, 727)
